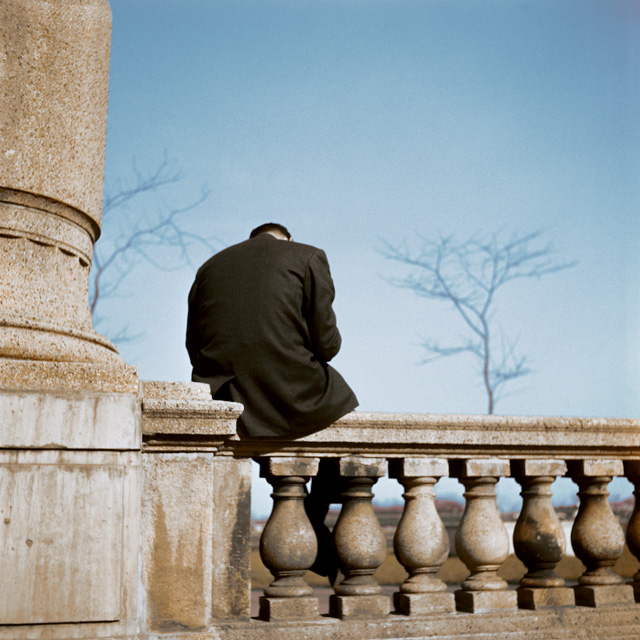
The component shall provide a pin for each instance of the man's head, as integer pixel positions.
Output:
(274, 229)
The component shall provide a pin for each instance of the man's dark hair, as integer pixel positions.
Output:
(270, 226)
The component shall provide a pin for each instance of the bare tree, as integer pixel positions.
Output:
(160, 238)
(468, 275)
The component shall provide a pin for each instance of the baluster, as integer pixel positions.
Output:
(359, 542)
(288, 544)
(482, 542)
(421, 542)
(538, 537)
(632, 471)
(597, 537)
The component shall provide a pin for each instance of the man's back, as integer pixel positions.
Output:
(260, 332)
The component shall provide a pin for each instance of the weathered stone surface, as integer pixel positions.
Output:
(42, 375)
(195, 539)
(359, 541)
(177, 531)
(186, 408)
(348, 607)
(288, 608)
(416, 467)
(480, 467)
(53, 101)
(603, 595)
(595, 467)
(481, 601)
(288, 545)
(538, 536)
(69, 420)
(231, 544)
(596, 536)
(570, 623)
(481, 539)
(53, 97)
(44, 304)
(278, 466)
(69, 535)
(542, 598)
(422, 604)
(196, 510)
(359, 467)
(421, 542)
(532, 467)
(402, 434)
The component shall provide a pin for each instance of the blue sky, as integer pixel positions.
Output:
(357, 121)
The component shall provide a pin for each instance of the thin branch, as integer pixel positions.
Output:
(469, 275)
(165, 242)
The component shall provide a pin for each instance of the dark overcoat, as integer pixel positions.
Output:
(261, 330)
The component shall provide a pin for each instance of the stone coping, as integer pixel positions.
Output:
(175, 410)
(185, 409)
(450, 435)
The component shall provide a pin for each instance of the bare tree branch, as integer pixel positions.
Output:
(468, 275)
(161, 238)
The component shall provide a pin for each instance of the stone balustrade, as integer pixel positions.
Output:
(417, 450)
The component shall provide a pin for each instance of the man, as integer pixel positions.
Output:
(261, 330)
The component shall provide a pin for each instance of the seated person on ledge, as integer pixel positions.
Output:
(261, 330)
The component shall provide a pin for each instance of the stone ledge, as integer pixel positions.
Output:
(567, 623)
(461, 436)
(185, 409)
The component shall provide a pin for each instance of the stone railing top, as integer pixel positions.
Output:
(186, 409)
(183, 414)
(398, 434)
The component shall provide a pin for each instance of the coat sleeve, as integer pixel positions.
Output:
(193, 337)
(321, 320)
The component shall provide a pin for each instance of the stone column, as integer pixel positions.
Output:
(54, 71)
(69, 407)
(538, 538)
(359, 542)
(597, 537)
(421, 542)
(288, 544)
(482, 542)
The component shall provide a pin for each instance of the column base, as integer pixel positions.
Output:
(480, 601)
(288, 608)
(344, 607)
(421, 604)
(542, 597)
(603, 595)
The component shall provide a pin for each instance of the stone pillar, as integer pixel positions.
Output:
(359, 542)
(538, 538)
(597, 537)
(196, 511)
(421, 542)
(482, 542)
(288, 544)
(54, 75)
(69, 407)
